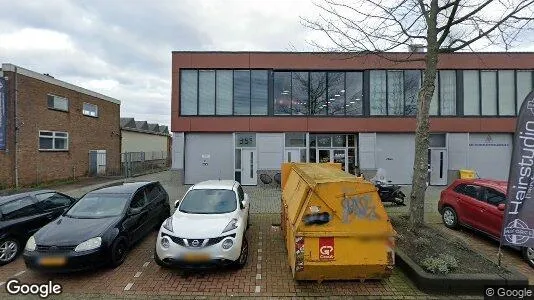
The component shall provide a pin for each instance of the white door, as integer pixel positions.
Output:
(248, 167)
(438, 167)
(292, 156)
(101, 162)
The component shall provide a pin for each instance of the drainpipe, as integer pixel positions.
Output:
(16, 131)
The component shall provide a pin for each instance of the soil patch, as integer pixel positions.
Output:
(430, 242)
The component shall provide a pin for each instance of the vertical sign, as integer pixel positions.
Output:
(3, 113)
(326, 248)
(518, 224)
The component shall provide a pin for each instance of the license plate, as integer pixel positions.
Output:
(52, 261)
(196, 257)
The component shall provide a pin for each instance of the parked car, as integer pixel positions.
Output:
(23, 214)
(99, 229)
(207, 229)
(478, 204)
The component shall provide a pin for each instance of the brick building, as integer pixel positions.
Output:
(58, 124)
(241, 114)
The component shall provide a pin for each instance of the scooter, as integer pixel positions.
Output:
(388, 192)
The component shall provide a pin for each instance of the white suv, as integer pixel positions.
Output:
(207, 228)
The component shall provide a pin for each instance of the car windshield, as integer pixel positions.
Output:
(95, 206)
(209, 202)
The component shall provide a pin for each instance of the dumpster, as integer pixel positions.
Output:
(334, 224)
(467, 174)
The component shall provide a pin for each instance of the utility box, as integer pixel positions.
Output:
(334, 224)
(467, 174)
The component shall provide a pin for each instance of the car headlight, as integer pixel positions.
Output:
(168, 224)
(165, 242)
(30, 244)
(227, 244)
(90, 244)
(231, 226)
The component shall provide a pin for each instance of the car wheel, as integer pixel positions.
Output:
(243, 256)
(9, 248)
(119, 250)
(450, 218)
(528, 254)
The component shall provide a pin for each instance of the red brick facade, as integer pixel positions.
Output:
(85, 133)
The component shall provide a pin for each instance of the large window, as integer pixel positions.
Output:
(524, 86)
(412, 84)
(53, 141)
(506, 93)
(336, 93)
(354, 93)
(259, 92)
(224, 86)
(317, 101)
(58, 103)
(395, 93)
(471, 93)
(488, 81)
(242, 92)
(206, 92)
(282, 93)
(188, 92)
(377, 90)
(447, 92)
(299, 93)
(89, 109)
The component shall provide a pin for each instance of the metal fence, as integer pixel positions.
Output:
(131, 164)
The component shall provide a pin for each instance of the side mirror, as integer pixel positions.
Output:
(501, 207)
(176, 203)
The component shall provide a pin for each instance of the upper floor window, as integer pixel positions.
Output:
(57, 102)
(393, 92)
(90, 109)
(53, 140)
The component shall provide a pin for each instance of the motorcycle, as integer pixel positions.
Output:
(388, 192)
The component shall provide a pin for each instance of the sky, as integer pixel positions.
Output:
(122, 48)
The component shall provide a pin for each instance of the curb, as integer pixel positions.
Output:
(455, 283)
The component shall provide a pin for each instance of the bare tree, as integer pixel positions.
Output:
(441, 26)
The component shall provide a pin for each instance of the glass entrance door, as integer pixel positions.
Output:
(333, 155)
(324, 156)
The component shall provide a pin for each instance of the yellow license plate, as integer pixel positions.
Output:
(52, 261)
(196, 257)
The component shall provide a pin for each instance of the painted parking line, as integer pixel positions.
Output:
(259, 258)
(137, 274)
(146, 264)
(258, 289)
(128, 286)
(19, 273)
(2, 283)
(258, 276)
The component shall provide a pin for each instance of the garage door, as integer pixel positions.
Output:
(395, 154)
(490, 155)
(208, 156)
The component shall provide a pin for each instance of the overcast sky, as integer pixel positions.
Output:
(123, 48)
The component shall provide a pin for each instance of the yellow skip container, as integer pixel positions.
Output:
(334, 224)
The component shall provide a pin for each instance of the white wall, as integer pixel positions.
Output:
(270, 150)
(366, 148)
(177, 150)
(143, 142)
(490, 154)
(458, 150)
(395, 153)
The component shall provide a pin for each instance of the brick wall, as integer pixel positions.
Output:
(85, 133)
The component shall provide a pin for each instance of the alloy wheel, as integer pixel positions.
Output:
(8, 250)
(530, 254)
(448, 217)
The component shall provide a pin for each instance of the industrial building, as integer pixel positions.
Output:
(237, 115)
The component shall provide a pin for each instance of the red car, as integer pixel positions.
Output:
(478, 204)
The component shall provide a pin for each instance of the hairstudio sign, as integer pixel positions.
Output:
(488, 142)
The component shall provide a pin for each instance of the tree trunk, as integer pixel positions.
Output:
(420, 164)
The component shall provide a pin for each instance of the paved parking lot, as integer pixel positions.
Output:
(266, 274)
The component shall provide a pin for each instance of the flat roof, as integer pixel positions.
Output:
(346, 52)
(48, 79)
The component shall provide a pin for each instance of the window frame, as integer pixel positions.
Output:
(54, 97)
(479, 191)
(53, 137)
(88, 114)
(487, 189)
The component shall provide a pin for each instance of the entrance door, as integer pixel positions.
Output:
(340, 156)
(292, 156)
(438, 167)
(248, 167)
(324, 156)
(101, 162)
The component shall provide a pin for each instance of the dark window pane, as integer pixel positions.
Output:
(299, 93)
(447, 91)
(313, 155)
(206, 92)
(19, 208)
(340, 140)
(324, 141)
(138, 200)
(224, 91)
(437, 140)
(282, 93)
(188, 92)
(354, 93)
(296, 139)
(336, 93)
(60, 144)
(242, 92)
(377, 94)
(45, 143)
(494, 197)
(317, 100)
(395, 93)
(313, 140)
(260, 92)
(237, 159)
(412, 84)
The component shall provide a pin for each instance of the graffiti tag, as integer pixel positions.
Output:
(361, 206)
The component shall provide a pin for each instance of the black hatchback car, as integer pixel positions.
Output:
(99, 229)
(22, 214)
